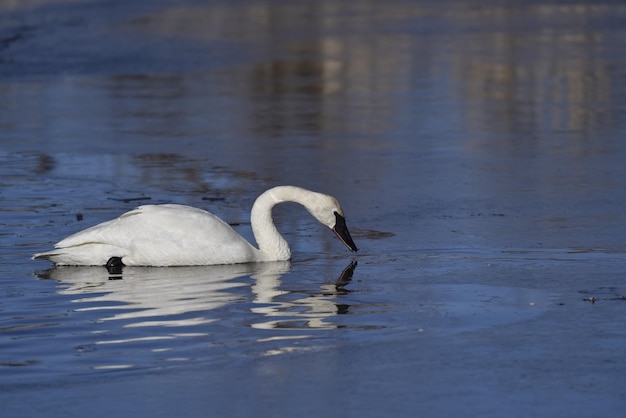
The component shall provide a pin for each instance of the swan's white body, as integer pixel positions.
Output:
(177, 235)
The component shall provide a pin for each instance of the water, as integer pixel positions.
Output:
(475, 148)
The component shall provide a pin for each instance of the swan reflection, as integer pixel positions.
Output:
(193, 296)
(311, 311)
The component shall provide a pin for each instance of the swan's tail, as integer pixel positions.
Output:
(45, 256)
(92, 254)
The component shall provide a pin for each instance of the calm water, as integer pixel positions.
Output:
(477, 149)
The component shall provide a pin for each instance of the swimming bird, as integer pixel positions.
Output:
(178, 235)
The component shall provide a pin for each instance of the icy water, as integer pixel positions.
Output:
(477, 149)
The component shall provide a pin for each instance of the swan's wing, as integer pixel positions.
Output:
(160, 235)
(104, 232)
(91, 246)
(91, 254)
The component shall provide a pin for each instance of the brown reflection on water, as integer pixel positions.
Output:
(540, 68)
(314, 65)
(346, 67)
(23, 4)
(352, 73)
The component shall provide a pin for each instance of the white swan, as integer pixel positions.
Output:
(177, 235)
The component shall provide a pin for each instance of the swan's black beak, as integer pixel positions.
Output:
(341, 230)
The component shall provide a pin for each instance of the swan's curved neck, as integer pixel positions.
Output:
(271, 244)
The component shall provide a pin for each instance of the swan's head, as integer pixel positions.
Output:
(328, 212)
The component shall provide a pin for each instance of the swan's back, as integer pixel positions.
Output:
(156, 235)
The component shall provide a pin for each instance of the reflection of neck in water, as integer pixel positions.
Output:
(309, 312)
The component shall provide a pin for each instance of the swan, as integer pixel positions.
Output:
(178, 235)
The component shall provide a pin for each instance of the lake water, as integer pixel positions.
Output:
(477, 149)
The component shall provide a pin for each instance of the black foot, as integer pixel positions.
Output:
(114, 265)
